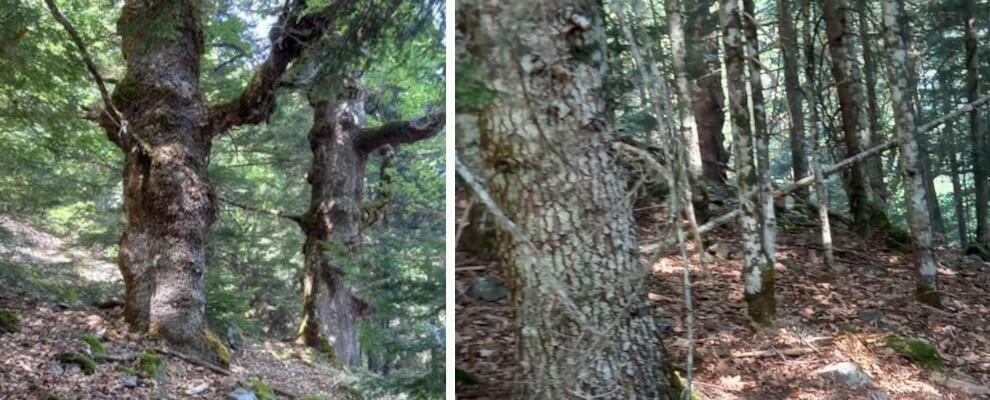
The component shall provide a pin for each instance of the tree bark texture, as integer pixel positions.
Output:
(165, 129)
(874, 165)
(685, 102)
(584, 328)
(919, 221)
(758, 274)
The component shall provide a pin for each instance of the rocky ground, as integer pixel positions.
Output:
(837, 336)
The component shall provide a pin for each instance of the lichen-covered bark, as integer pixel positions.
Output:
(919, 221)
(792, 85)
(585, 326)
(855, 125)
(978, 131)
(700, 49)
(758, 273)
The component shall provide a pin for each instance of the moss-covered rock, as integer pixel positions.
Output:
(262, 389)
(919, 351)
(9, 323)
(85, 363)
(96, 349)
(151, 365)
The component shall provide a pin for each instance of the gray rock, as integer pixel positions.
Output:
(845, 373)
(869, 315)
(56, 369)
(198, 390)
(488, 289)
(129, 381)
(241, 394)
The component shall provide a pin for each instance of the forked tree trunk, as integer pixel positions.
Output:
(165, 128)
(758, 273)
(852, 101)
(332, 310)
(584, 329)
(919, 221)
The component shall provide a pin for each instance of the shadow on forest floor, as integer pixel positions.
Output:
(849, 315)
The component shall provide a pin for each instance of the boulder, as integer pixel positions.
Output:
(488, 289)
(845, 373)
(241, 394)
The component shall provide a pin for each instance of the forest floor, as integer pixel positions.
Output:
(822, 319)
(52, 287)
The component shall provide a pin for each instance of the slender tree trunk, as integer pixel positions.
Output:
(919, 221)
(685, 103)
(957, 190)
(855, 125)
(978, 131)
(758, 274)
(821, 191)
(792, 84)
(584, 329)
(706, 85)
(874, 165)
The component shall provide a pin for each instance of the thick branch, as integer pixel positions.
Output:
(296, 29)
(394, 133)
(875, 150)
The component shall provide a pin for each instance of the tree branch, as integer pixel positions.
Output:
(399, 132)
(296, 30)
(275, 213)
(109, 110)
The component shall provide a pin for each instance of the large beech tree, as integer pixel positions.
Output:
(159, 117)
(584, 325)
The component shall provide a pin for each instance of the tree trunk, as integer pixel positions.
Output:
(981, 143)
(919, 221)
(584, 329)
(685, 103)
(167, 201)
(758, 274)
(331, 309)
(706, 86)
(788, 50)
(159, 118)
(821, 191)
(855, 125)
(875, 165)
